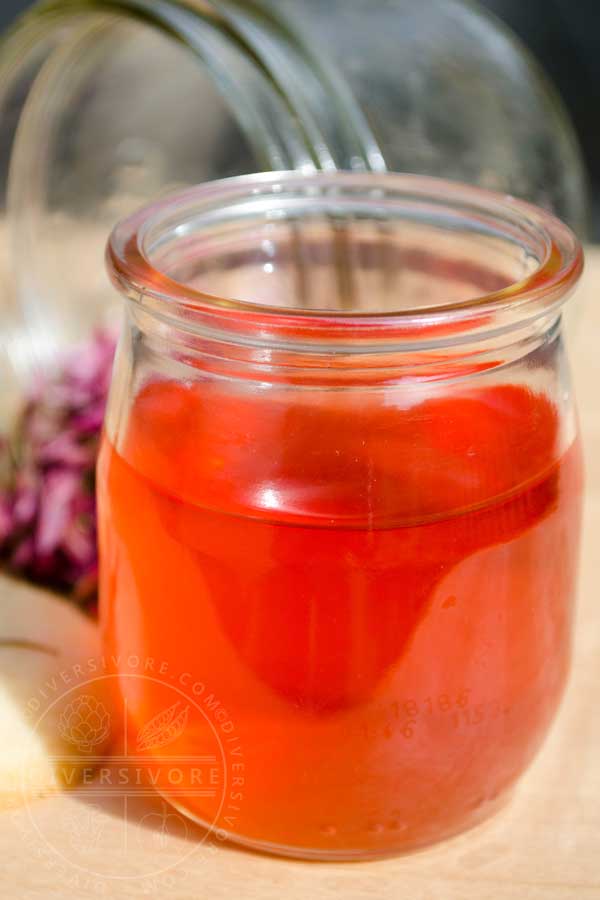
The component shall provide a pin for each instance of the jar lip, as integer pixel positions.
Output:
(539, 292)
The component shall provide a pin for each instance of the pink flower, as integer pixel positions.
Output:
(47, 499)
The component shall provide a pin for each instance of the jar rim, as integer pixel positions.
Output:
(540, 292)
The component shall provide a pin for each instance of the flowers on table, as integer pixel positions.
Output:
(47, 473)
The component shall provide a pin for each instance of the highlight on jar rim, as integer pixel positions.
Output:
(553, 258)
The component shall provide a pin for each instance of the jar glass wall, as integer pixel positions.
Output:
(107, 104)
(340, 496)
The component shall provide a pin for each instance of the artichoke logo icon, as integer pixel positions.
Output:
(85, 723)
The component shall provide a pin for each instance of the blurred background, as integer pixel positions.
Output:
(564, 41)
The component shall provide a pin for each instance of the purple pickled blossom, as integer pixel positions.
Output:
(79, 547)
(90, 421)
(64, 450)
(47, 503)
(25, 499)
(66, 398)
(57, 494)
(84, 505)
(34, 427)
(6, 516)
(23, 555)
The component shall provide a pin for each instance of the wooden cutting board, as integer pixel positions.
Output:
(545, 845)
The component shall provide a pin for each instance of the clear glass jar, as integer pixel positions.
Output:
(107, 104)
(340, 489)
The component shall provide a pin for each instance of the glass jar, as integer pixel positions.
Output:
(105, 104)
(340, 494)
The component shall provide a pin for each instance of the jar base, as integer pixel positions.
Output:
(320, 854)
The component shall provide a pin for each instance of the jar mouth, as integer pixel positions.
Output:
(345, 254)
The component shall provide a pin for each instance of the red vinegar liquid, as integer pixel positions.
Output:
(380, 597)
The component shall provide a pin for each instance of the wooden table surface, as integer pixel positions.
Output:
(545, 845)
